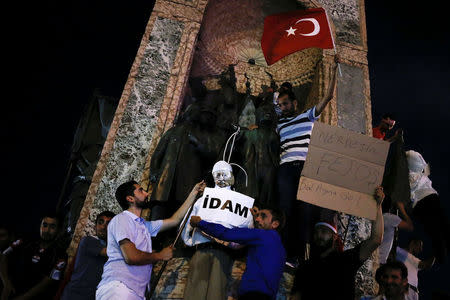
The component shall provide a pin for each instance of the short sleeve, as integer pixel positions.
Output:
(312, 114)
(391, 220)
(154, 227)
(121, 227)
(91, 246)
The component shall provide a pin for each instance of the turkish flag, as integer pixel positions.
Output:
(293, 31)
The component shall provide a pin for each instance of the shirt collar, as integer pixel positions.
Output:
(134, 217)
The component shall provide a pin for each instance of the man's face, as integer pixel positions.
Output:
(263, 220)
(323, 238)
(49, 229)
(101, 227)
(140, 196)
(392, 282)
(288, 107)
(387, 124)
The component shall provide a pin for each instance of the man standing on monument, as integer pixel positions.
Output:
(130, 257)
(295, 130)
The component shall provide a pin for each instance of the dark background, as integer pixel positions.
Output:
(59, 52)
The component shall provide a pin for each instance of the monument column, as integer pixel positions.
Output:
(148, 105)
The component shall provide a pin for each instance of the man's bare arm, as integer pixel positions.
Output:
(427, 263)
(406, 223)
(103, 252)
(327, 98)
(376, 236)
(133, 256)
(176, 218)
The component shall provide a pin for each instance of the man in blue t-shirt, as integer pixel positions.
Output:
(89, 261)
(266, 255)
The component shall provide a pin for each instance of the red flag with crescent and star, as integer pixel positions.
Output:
(293, 31)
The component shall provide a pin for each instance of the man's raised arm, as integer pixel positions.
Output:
(176, 218)
(327, 98)
(376, 236)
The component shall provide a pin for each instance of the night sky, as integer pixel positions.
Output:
(59, 52)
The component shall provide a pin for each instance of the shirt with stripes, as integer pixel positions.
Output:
(295, 134)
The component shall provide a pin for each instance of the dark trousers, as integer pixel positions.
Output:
(255, 296)
(300, 216)
(430, 213)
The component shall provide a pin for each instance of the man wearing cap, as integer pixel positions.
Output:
(210, 266)
(334, 267)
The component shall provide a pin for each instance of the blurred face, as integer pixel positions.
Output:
(323, 237)
(101, 227)
(387, 124)
(392, 282)
(49, 229)
(140, 196)
(263, 220)
(288, 107)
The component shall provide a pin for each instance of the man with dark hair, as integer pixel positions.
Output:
(408, 256)
(332, 265)
(40, 264)
(295, 130)
(393, 280)
(266, 255)
(89, 261)
(129, 246)
(386, 124)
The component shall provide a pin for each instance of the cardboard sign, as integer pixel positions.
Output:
(342, 170)
(225, 207)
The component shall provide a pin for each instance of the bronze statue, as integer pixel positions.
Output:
(259, 151)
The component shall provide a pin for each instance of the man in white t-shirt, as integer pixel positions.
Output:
(414, 265)
(391, 222)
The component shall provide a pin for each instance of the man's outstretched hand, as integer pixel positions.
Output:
(195, 220)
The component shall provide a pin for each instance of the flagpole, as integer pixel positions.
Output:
(332, 39)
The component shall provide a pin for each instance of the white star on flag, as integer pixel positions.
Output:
(291, 31)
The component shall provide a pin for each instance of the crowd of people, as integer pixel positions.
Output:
(117, 262)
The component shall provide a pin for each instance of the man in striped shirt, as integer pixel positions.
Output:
(295, 130)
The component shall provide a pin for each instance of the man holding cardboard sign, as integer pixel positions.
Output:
(333, 266)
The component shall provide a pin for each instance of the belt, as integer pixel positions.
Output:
(211, 246)
(413, 288)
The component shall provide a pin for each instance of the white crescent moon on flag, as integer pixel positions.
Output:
(315, 23)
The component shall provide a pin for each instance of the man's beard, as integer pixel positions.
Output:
(143, 204)
(316, 250)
